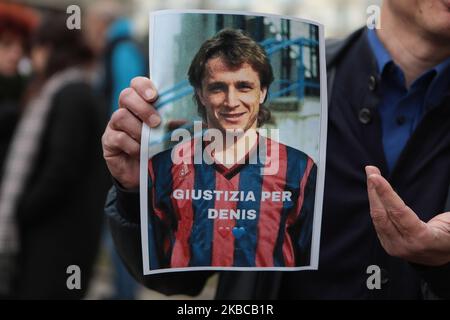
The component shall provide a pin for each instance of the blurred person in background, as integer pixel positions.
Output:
(111, 36)
(52, 193)
(16, 24)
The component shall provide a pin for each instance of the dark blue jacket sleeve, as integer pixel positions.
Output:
(122, 210)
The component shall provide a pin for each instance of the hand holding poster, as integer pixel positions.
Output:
(233, 178)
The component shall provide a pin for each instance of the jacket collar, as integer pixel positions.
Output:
(336, 48)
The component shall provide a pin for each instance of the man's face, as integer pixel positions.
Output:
(11, 51)
(231, 96)
(431, 16)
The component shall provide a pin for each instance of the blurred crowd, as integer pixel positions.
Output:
(58, 87)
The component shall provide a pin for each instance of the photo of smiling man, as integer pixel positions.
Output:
(230, 195)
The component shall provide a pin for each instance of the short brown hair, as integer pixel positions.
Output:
(235, 48)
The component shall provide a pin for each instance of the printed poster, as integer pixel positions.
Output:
(233, 177)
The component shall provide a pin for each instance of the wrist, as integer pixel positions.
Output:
(128, 202)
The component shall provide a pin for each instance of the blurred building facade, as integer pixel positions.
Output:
(339, 16)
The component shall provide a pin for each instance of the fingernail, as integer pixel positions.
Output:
(148, 94)
(154, 120)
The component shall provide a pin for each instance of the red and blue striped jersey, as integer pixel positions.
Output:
(209, 215)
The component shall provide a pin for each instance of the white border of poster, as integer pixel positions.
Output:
(320, 162)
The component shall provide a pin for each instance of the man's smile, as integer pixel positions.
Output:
(232, 117)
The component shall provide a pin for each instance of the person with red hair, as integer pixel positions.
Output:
(16, 25)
